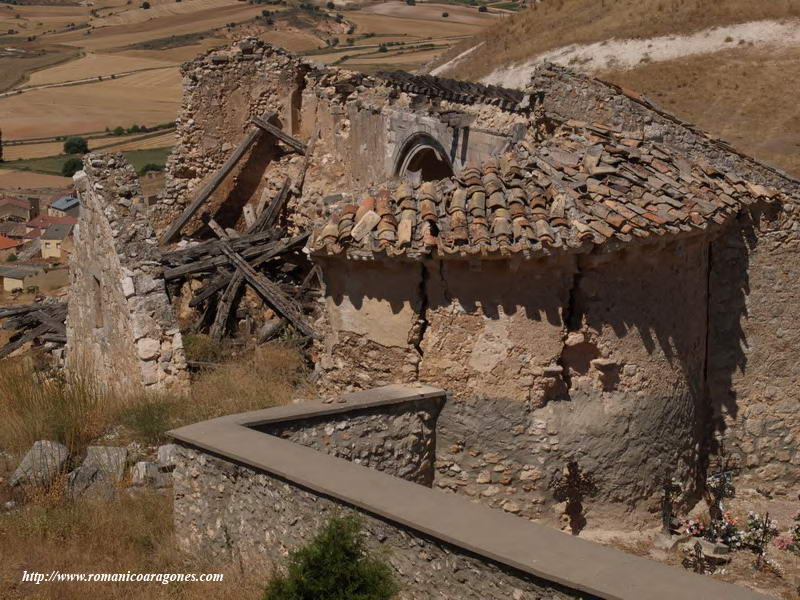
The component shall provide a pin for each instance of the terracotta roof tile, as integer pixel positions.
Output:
(587, 184)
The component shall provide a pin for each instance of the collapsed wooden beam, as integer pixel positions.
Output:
(24, 339)
(268, 291)
(217, 261)
(267, 217)
(211, 248)
(212, 185)
(221, 280)
(265, 125)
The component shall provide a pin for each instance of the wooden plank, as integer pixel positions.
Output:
(297, 189)
(265, 125)
(24, 339)
(210, 248)
(212, 185)
(54, 338)
(218, 261)
(56, 325)
(270, 292)
(221, 280)
(225, 307)
(266, 219)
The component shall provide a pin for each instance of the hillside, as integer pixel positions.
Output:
(729, 67)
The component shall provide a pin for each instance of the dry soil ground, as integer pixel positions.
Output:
(730, 67)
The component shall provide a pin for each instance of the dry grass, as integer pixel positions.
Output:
(35, 407)
(130, 533)
(558, 23)
(77, 413)
(740, 95)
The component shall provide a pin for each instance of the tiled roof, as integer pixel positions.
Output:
(20, 270)
(57, 232)
(65, 203)
(12, 229)
(9, 201)
(6, 243)
(585, 185)
(44, 221)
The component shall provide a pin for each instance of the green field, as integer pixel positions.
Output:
(52, 165)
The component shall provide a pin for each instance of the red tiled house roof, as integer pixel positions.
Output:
(586, 185)
(6, 243)
(44, 221)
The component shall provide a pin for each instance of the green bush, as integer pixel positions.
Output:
(149, 418)
(71, 166)
(75, 145)
(150, 167)
(334, 566)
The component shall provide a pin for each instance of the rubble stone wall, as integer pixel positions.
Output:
(227, 510)
(559, 359)
(399, 440)
(120, 325)
(361, 130)
(571, 95)
(754, 377)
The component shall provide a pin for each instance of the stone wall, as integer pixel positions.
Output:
(559, 359)
(224, 510)
(570, 95)
(399, 440)
(242, 494)
(120, 325)
(361, 130)
(753, 372)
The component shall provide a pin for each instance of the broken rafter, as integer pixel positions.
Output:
(215, 262)
(267, 217)
(270, 292)
(212, 185)
(222, 279)
(265, 125)
(24, 339)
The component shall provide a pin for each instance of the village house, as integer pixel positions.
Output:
(56, 241)
(40, 224)
(64, 206)
(13, 229)
(14, 209)
(23, 276)
(8, 247)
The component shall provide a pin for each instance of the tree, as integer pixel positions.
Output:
(118, 130)
(483, 9)
(331, 5)
(334, 566)
(411, 2)
(445, 14)
(71, 166)
(145, 5)
(75, 145)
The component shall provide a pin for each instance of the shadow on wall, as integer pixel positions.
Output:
(728, 308)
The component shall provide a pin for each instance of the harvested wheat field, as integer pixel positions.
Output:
(147, 98)
(25, 180)
(94, 65)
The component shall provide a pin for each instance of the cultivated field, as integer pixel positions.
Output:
(82, 69)
(729, 67)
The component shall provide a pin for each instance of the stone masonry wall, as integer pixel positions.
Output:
(228, 510)
(360, 129)
(399, 440)
(120, 325)
(753, 376)
(570, 95)
(565, 358)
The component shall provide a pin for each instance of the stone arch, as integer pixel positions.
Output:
(421, 155)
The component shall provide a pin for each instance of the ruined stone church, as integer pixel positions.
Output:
(591, 279)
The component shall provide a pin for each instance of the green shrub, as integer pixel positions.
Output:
(201, 348)
(71, 166)
(150, 167)
(76, 145)
(334, 566)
